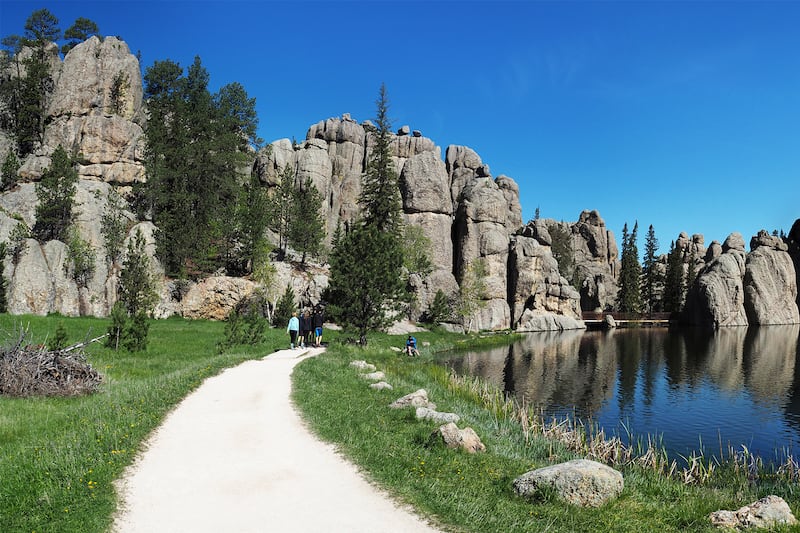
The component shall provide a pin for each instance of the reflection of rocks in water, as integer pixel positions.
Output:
(770, 361)
(547, 371)
(486, 364)
(724, 358)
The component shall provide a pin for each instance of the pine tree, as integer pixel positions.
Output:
(673, 280)
(629, 295)
(196, 145)
(137, 288)
(380, 193)
(366, 289)
(80, 30)
(439, 310)
(650, 274)
(307, 227)
(284, 308)
(56, 192)
(9, 172)
(281, 208)
(561, 246)
(3, 280)
(113, 226)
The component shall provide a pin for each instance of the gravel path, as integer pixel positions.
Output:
(235, 456)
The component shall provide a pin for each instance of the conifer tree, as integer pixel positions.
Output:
(306, 228)
(55, 192)
(9, 172)
(3, 280)
(629, 295)
(380, 193)
(673, 280)
(650, 274)
(281, 209)
(366, 288)
(284, 308)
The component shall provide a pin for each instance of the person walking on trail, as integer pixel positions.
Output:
(293, 328)
(319, 319)
(306, 329)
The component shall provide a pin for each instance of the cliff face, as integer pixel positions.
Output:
(96, 110)
(468, 215)
(735, 288)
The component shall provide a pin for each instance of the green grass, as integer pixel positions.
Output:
(467, 492)
(60, 456)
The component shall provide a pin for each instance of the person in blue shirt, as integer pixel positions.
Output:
(293, 328)
(411, 346)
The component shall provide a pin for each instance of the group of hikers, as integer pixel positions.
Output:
(307, 328)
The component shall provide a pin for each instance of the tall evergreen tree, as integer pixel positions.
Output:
(197, 144)
(629, 295)
(673, 280)
(380, 193)
(366, 287)
(281, 208)
(651, 277)
(56, 193)
(307, 228)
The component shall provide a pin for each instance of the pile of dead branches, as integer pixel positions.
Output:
(28, 369)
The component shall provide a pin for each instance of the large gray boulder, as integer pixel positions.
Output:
(215, 297)
(770, 283)
(580, 482)
(425, 186)
(717, 297)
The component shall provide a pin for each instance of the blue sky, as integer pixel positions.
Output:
(683, 115)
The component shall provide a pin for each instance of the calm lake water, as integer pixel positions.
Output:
(693, 387)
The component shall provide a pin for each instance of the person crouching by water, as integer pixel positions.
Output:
(293, 328)
(411, 346)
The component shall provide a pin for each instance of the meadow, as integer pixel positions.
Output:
(59, 457)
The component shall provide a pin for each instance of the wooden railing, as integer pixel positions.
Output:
(590, 315)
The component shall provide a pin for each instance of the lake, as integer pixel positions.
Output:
(693, 387)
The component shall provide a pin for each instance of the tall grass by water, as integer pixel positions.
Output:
(59, 457)
(473, 492)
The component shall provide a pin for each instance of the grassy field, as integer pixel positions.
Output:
(60, 456)
(474, 492)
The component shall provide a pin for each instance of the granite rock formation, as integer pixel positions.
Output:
(770, 282)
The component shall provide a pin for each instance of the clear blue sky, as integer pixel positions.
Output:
(683, 115)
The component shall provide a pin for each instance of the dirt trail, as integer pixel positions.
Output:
(234, 456)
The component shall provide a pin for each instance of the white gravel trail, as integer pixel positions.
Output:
(235, 456)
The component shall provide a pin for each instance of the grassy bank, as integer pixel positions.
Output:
(473, 492)
(60, 456)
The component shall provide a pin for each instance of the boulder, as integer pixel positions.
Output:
(580, 482)
(373, 376)
(770, 282)
(768, 512)
(417, 398)
(381, 385)
(452, 437)
(363, 365)
(425, 185)
(426, 413)
(214, 297)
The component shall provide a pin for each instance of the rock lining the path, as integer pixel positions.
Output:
(425, 413)
(580, 482)
(765, 513)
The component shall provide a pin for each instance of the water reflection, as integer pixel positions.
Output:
(735, 386)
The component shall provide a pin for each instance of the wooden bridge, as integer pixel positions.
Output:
(597, 320)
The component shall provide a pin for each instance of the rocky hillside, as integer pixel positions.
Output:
(471, 217)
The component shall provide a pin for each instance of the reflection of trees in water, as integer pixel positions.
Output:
(575, 370)
(548, 374)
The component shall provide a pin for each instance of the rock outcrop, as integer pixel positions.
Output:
(738, 289)
(768, 512)
(770, 282)
(717, 297)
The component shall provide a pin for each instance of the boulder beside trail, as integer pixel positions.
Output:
(426, 413)
(452, 437)
(417, 398)
(580, 482)
(767, 512)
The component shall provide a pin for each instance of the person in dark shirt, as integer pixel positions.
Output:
(306, 329)
(318, 319)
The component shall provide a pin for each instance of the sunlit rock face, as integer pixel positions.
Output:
(770, 282)
(717, 297)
